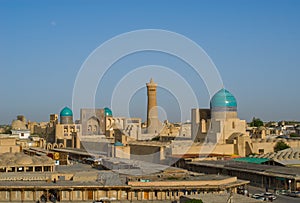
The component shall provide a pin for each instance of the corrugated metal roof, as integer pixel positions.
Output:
(252, 160)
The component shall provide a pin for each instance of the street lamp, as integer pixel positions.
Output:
(290, 189)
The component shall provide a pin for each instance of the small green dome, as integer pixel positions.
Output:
(107, 112)
(223, 99)
(118, 144)
(66, 112)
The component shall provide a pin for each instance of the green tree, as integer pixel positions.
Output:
(294, 135)
(256, 122)
(157, 138)
(7, 130)
(281, 146)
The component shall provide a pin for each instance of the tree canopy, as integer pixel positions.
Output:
(256, 122)
(294, 135)
(281, 146)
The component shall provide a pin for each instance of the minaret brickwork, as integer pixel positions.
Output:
(152, 112)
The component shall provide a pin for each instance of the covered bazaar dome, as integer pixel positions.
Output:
(107, 112)
(66, 112)
(18, 125)
(223, 100)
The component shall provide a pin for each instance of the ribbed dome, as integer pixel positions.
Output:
(66, 112)
(223, 99)
(107, 112)
(18, 125)
(20, 159)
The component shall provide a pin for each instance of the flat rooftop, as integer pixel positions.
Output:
(251, 167)
(219, 198)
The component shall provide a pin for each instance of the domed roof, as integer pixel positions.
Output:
(18, 125)
(66, 112)
(20, 159)
(26, 160)
(107, 112)
(118, 144)
(223, 98)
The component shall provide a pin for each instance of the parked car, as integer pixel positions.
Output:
(283, 192)
(294, 194)
(259, 197)
(269, 196)
(242, 191)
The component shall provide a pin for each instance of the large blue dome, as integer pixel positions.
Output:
(223, 99)
(66, 112)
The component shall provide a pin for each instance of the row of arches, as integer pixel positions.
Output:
(54, 146)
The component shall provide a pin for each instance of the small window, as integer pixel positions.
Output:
(261, 151)
(233, 125)
(89, 128)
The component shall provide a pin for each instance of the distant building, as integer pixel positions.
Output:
(221, 126)
(92, 121)
(185, 130)
(19, 162)
(22, 134)
(120, 126)
(8, 144)
(66, 132)
(20, 123)
(219, 131)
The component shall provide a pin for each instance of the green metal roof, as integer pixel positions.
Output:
(252, 160)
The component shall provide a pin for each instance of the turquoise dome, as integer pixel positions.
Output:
(66, 112)
(107, 112)
(223, 99)
(118, 144)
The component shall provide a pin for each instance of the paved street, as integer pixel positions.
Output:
(280, 198)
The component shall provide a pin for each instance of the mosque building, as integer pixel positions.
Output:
(219, 122)
(218, 130)
(66, 116)
(92, 121)
(66, 132)
(221, 126)
(91, 127)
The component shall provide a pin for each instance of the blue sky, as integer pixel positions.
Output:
(254, 44)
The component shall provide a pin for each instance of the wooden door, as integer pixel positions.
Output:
(146, 195)
(90, 195)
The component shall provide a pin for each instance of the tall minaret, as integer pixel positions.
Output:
(152, 113)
